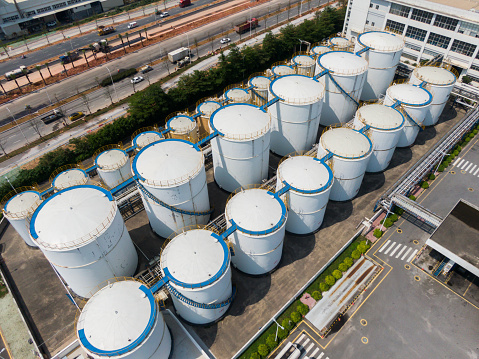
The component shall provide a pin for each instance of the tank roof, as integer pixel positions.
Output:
(305, 174)
(303, 60)
(22, 202)
(73, 176)
(194, 256)
(346, 143)
(72, 216)
(208, 107)
(409, 94)
(435, 75)
(167, 162)
(255, 210)
(111, 158)
(240, 121)
(343, 62)
(260, 82)
(117, 316)
(147, 137)
(297, 89)
(339, 41)
(181, 124)
(281, 70)
(381, 41)
(320, 49)
(237, 94)
(380, 116)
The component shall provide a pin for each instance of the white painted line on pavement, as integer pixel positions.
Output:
(456, 161)
(306, 342)
(476, 171)
(315, 352)
(463, 165)
(467, 168)
(473, 168)
(460, 162)
(310, 347)
(402, 250)
(300, 338)
(390, 247)
(384, 247)
(395, 249)
(405, 254)
(321, 355)
(412, 256)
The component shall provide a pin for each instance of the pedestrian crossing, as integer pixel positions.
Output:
(466, 166)
(311, 349)
(398, 251)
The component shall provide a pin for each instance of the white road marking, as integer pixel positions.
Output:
(412, 256)
(390, 247)
(321, 355)
(384, 247)
(405, 254)
(315, 352)
(300, 338)
(395, 249)
(467, 168)
(460, 162)
(306, 342)
(476, 171)
(402, 250)
(310, 347)
(463, 165)
(473, 168)
(456, 161)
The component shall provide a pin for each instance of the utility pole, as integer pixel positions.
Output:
(16, 123)
(114, 87)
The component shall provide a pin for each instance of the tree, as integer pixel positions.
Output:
(255, 355)
(263, 350)
(303, 309)
(86, 102)
(141, 38)
(127, 39)
(25, 72)
(362, 248)
(196, 46)
(343, 267)
(286, 323)
(282, 333)
(64, 68)
(108, 92)
(4, 92)
(35, 124)
(84, 55)
(271, 342)
(92, 49)
(330, 280)
(356, 254)
(337, 274)
(148, 105)
(295, 317)
(16, 82)
(38, 67)
(48, 68)
(316, 295)
(69, 57)
(348, 261)
(3, 142)
(323, 287)
(122, 43)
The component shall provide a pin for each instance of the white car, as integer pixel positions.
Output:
(225, 40)
(136, 79)
(51, 23)
(164, 14)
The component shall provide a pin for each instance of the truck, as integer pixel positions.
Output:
(11, 75)
(178, 54)
(290, 351)
(72, 56)
(184, 3)
(104, 30)
(101, 46)
(53, 116)
(245, 26)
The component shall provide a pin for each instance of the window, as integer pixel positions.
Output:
(446, 22)
(422, 16)
(409, 56)
(475, 67)
(468, 28)
(29, 13)
(59, 5)
(372, 24)
(371, 5)
(415, 33)
(413, 47)
(10, 18)
(430, 53)
(44, 9)
(394, 26)
(399, 10)
(438, 40)
(377, 7)
(367, 22)
(463, 48)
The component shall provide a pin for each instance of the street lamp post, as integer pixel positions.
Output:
(114, 87)
(442, 157)
(277, 327)
(10, 183)
(16, 123)
(49, 99)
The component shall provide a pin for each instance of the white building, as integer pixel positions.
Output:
(429, 28)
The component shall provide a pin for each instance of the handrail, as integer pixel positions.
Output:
(341, 89)
(202, 305)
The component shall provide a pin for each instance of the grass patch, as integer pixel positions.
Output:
(3, 290)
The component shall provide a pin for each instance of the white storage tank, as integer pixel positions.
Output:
(383, 56)
(318, 50)
(259, 91)
(81, 232)
(197, 265)
(237, 95)
(260, 217)
(385, 127)
(144, 138)
(206, 109)
(304, 64)
(182, 127)
(113, 166)
(18, 206)
(340, 44)
(282, 70)
(122, 320)
(70, 177)
(241, 149)
(172, 180)
(343, 84)
(296, 116)
(351, 151)
(415, 102)
(311, 181)
(441, 82)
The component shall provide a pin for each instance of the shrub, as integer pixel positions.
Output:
(343, 267)
(432, 176)
(388, 223)
(362, 248)
(377, 233)
(393, 217)
(458, 149)
(255, 355)
(271, 342)
(295, 317)
(398, 210)
(446, 163)
(117, 77)
(348, 261)
(282, 333)
(467, 139)
(263, 350)
(475, 132)
(412, 198)
(466, 79)
(330, 280)
(303, 309)
(440, 168)
(286, 323)
(317, 295)
(425, 185)
(455, 153)
(323, 287)
(337, 274)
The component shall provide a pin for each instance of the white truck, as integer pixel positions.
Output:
(16, 73)
(290, 351)
(179, 54)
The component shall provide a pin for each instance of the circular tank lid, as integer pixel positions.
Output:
(409, 94)
(260, 82)
(306, 174)
(297, 89)
(117, 318)
(72, 216)
(181, 124)
(347, 143)
(208, 107)
(23, 202)
(339, 41)
(319, 50)
(381, 41)
(435, 75)
(256, 211)
(71, 177)
(240, 121)
(111, 158)
(303, 60)
(343, 62)
(167, 162)
(237, 94)
(195, 258)
(281, 70)
(380, 116)
(145, 138)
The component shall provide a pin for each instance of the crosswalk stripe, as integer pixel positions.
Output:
(456, 161)
(306, 342)
(412, 256)
(387, 250)
(460, 162)
(467, 168)
(402, 250)
(321, 355)
(476, 171)
(395, 249)
(310, 347)
(300, 338)
(405, 254)
(463, 165)
(385, 245)
(315, 352)
(473, 168)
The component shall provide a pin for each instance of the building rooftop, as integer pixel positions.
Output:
(445, 7)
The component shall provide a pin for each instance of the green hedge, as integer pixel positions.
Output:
(118, 77)
(377, 233)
